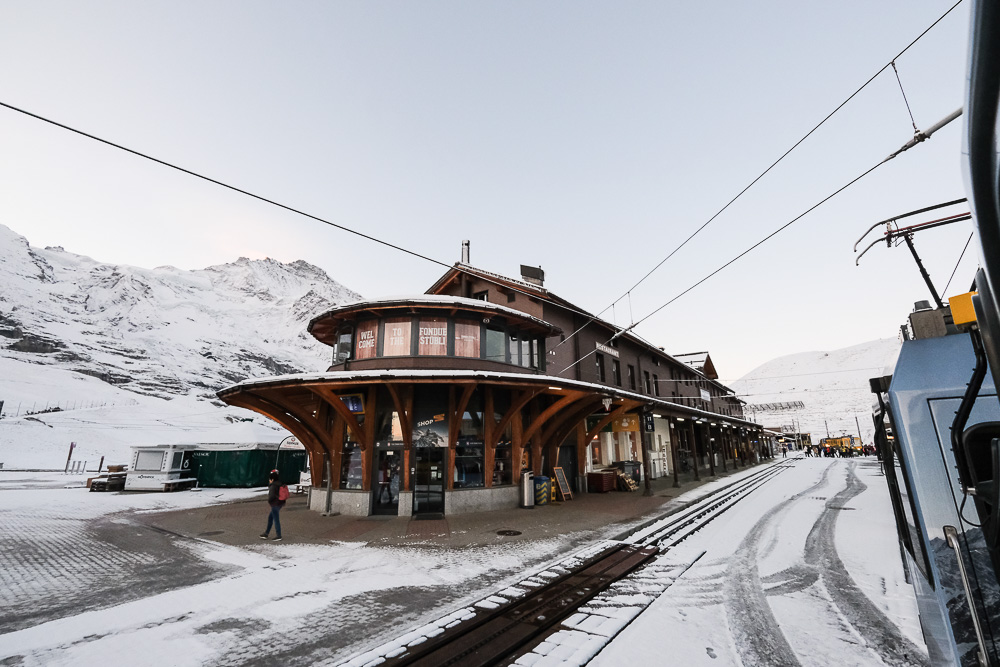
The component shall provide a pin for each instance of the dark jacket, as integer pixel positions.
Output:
(272, 494)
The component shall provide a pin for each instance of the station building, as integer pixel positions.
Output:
(434, 404)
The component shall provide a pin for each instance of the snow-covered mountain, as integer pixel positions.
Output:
(833, 387)
(160, 332)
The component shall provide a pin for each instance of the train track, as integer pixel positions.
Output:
(504, 626)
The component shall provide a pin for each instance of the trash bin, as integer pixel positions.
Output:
(527, 489)
(543, 489)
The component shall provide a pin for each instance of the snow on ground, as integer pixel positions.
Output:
(764, 584)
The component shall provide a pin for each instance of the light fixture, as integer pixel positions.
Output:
(713, 424)
(680, 419)
(607, 402)
(556, 388)
(657, 416)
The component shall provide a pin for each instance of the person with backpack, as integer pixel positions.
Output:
(277, 494)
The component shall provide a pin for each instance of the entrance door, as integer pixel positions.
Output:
(429, 481)
(385, 491)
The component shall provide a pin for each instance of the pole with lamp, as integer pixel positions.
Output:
(647, 432)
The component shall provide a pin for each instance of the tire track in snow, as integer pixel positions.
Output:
(756, 633)
(879, 633)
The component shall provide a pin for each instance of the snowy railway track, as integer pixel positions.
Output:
(568, 608)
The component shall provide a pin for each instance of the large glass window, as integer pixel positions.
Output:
(600, 366)
(502, 470)
(467, 339)
(536, 354)
(432, 336)
(526, 353)
(631, 377)
(470, 460)
(366, 340)
(616, 372)
(351, 463)
(496, 345)
(344, 346)
(397, 337)
(514, 348)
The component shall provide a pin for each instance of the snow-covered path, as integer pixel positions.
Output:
(806, 571)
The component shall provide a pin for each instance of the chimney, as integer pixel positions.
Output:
(533, 275)
(465, 252)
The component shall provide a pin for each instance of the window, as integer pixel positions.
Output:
(526, 353)
(495, 343)
(511, 296)
(481, 296)
(466, 338)
(502, 470)
(432, 336)
(645, 382)
(512, 344)
(397, 337)
(469, 462)
(656, 385)
(600, 367)
(343, 347)
(351, 463)
(631, 377)
(616, 371)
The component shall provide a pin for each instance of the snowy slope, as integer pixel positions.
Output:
(134, 356)
(164, 331)
(833, 386)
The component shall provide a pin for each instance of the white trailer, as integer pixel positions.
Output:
(161, 468)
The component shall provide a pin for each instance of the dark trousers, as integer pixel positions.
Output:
(273, 518)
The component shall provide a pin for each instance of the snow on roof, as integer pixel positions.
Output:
(405, 374)
(436, 300)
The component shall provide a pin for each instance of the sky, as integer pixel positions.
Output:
(588, 138)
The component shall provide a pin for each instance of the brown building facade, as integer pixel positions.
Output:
(435, 404)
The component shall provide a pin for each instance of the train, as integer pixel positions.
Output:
(937, 415)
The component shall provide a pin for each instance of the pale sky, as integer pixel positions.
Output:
(586, 137)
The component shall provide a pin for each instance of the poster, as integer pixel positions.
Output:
(430, 418)
(397, 337)
(432, 337)
(366, 340)
(467, 339)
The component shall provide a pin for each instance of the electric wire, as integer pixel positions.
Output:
(905, 101)
(945, 290)
(891, 63)
(739, 256)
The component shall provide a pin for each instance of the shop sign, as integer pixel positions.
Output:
(430, 420)
(626, 424)
(354, 402)
(705, 396)
(647, 422)
(601, 347)
(366, 340)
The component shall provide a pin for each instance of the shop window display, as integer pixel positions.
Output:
(469, 464)
(351, 464)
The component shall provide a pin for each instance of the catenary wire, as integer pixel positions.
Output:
(891, 63)
(263, 199)
(945, 290)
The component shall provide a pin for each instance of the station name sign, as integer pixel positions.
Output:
(607, 350)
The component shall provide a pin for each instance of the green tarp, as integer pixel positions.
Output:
(246, 467)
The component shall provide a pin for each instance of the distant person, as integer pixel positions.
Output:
(784, 452)
(276, 501)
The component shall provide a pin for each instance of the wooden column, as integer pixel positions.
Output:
(674, 444)
(693, 447)
(711, 448)
(489, 441)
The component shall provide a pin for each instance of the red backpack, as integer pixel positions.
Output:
(283, 493)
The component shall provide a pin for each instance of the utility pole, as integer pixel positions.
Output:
(859, 426)
(827, 428)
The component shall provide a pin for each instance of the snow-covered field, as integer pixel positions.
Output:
(833, 387)
(829, 585)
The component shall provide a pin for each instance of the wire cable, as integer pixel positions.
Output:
(830, 115)
(945, 290)
(268, 201)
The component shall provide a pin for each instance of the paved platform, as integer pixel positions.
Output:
(240, 523)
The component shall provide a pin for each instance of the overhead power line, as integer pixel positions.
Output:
(764, 240)
(891, 63)
(266, 200)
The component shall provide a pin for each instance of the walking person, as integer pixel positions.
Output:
(275, 491)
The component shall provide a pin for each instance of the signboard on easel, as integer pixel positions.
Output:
(562, 484)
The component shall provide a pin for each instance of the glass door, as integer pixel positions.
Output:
(385, 491)
(429, 481)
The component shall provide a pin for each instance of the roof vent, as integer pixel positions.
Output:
(533, 275)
